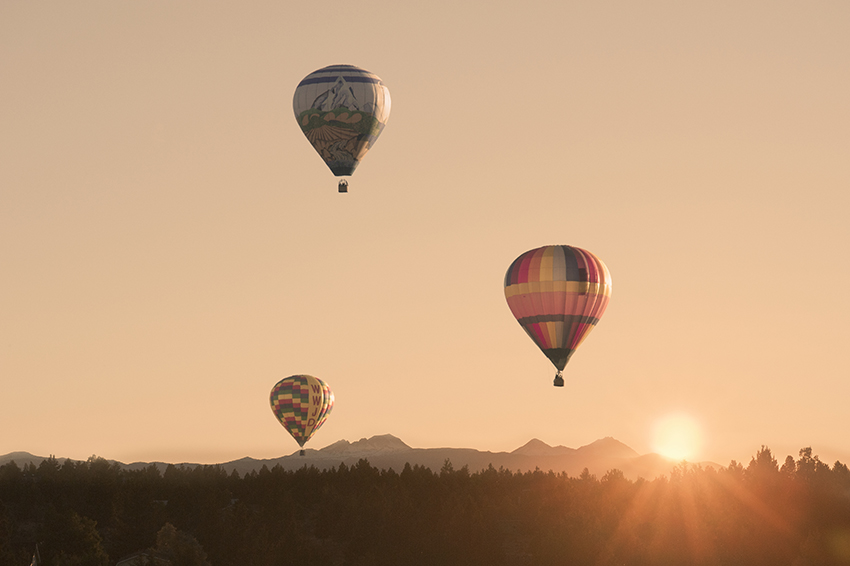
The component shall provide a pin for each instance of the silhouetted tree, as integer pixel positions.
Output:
(180, 548)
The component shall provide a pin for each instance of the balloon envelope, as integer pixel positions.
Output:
(302, 404)
(342, 110)
(558, 294)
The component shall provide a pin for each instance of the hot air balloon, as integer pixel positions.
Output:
(342, 110)
(302, 404)
(558, 294)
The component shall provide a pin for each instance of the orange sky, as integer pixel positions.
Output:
(171, 246)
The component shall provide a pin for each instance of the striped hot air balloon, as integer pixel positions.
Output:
(558, 294)
(342, 110)
(302, 404)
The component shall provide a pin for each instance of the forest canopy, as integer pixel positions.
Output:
(94, 513)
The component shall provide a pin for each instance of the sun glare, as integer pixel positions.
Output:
(677, 436)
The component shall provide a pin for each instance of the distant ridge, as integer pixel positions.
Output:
(382, 443)
(386, 451)
(608, 447)
(536, 447)
(22, 459)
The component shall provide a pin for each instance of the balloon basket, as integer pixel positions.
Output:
(343, 186)
(559, 380)
(302, 452)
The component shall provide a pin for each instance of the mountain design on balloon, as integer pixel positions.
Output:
(342, 110)
(340, 95)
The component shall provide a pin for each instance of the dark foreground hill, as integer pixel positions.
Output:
(388, 452)
(95, 513)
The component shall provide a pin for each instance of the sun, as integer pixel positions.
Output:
(677, 436)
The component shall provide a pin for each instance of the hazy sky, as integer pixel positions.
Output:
(171, 245)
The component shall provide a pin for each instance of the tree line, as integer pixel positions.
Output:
(95, 512)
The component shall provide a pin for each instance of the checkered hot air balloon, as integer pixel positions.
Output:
(342, 110)
(558, 294)
(302, 404)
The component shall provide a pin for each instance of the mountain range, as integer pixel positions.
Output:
(386, 451)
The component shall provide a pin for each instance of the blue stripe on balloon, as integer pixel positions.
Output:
(355, 79)
(340, 68)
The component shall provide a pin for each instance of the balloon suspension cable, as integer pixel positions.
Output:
(559, 379)
(343, 186)
(302, 452)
